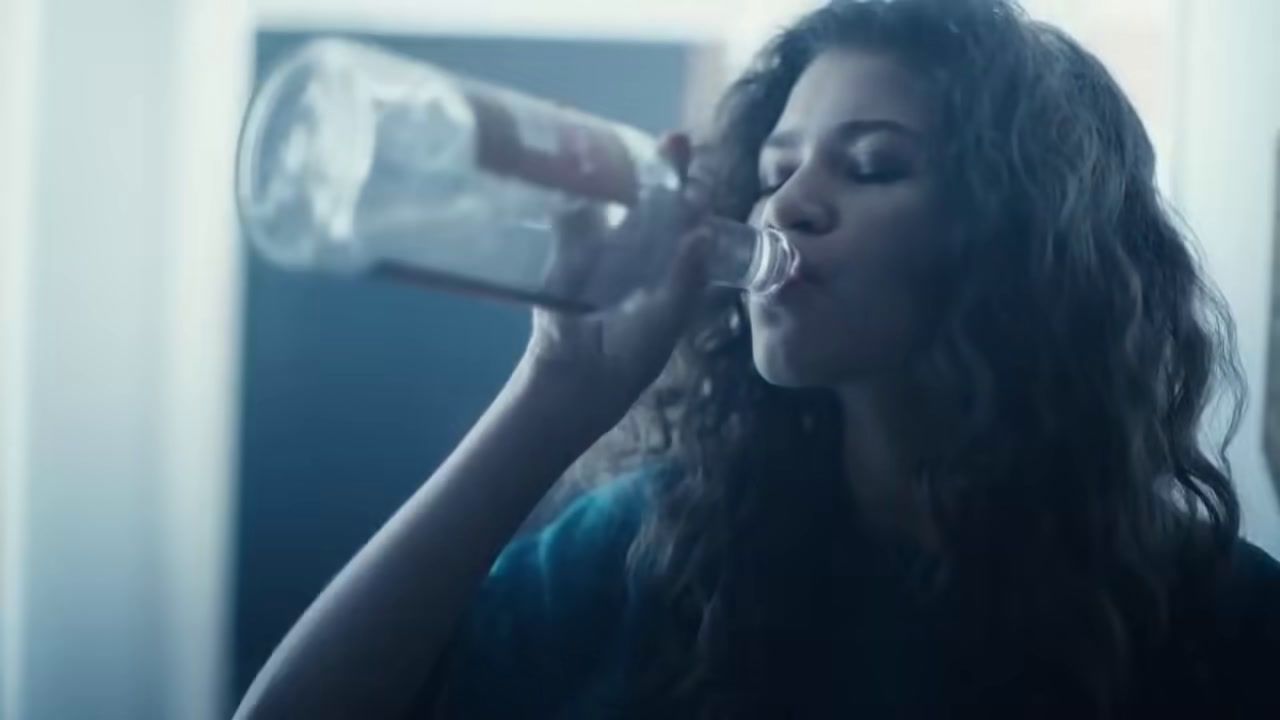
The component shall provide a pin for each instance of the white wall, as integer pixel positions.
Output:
(613, 18)
(117, 448)
(18, 33)
(1223, 181)
(740, 26)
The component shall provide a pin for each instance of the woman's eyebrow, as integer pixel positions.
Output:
(847, 131)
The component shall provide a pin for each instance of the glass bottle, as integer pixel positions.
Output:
(353, 159)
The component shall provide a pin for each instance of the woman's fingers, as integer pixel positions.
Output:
(579, 232)
(695, 188)
(678, 150)
(686, 279)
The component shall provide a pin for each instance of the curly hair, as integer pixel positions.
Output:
(1080, 351)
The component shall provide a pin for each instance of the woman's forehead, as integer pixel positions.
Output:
(850, 85)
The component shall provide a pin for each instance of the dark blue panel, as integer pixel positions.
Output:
(354, 391)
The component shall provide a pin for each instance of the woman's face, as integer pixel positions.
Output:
(848, 176)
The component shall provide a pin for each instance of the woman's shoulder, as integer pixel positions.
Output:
(1253, 573)
(1227, 643)
(548, 621)
(1244, 606)
(1248, 604)
(579, 557)
(1248, 628)
(592, 521)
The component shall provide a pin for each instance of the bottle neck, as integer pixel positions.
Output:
(757, 260)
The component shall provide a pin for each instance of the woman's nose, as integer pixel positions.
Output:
(801, 206)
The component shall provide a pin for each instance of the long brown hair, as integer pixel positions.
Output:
(1078, 355)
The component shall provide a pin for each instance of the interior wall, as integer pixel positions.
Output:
(1224, 183)
(18, 35)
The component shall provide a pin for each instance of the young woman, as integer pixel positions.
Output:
(954, 468)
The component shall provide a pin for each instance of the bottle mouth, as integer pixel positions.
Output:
(777, 262)
(756, 260)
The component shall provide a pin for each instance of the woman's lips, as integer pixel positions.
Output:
(803, 272)
(800, 276)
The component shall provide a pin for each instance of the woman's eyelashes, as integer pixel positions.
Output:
(874, 167)
(769, 187)
(863, 169)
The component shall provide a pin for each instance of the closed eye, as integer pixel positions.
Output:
(768, 190)
(876, 177)
(772, 185)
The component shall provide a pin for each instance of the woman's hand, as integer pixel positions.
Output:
(364, 646)
(606, 359)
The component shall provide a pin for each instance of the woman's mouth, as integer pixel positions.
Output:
(799, 277)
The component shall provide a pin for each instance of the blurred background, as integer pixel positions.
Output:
(192, 443)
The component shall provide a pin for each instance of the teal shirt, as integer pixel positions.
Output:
(549, 633)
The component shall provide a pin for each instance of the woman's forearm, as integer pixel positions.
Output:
(366, 644)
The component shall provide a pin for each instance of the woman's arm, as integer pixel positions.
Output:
(366, 644)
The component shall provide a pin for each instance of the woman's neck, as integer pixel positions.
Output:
(882, 447)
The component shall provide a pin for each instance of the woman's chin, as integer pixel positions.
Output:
(803, 365)
(783, 369)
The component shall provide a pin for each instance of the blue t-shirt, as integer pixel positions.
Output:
(545, 637)
(549, 633)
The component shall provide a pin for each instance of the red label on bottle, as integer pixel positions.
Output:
(551, 146)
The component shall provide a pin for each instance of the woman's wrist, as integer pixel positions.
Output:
(576, 410)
